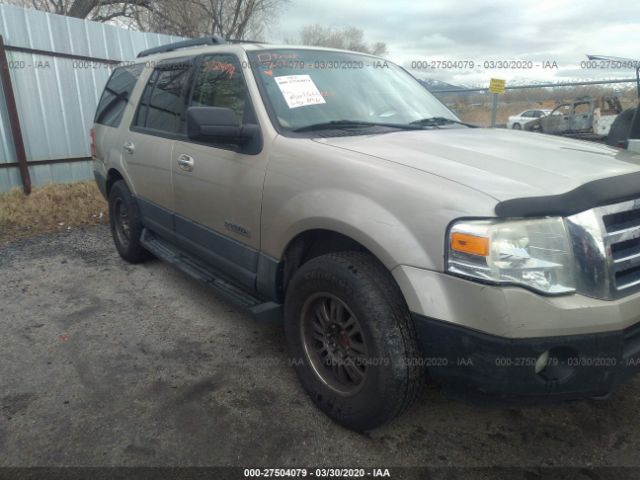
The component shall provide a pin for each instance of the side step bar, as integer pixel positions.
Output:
(167, 252)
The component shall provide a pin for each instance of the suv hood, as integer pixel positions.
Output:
(504, 164)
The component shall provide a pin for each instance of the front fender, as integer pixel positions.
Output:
(350, 214)
(399, 213)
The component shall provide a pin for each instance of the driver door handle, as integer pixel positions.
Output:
(186, 163)
(129, 147)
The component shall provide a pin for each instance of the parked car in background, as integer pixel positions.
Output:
(587, 118)
(517, 121)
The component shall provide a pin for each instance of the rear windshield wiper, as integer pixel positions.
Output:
(437, 121)
(346, 124)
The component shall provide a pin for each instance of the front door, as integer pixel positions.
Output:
(582, 119)
(218, 188)
(558, 121)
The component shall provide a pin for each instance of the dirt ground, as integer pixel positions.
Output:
(103, 363)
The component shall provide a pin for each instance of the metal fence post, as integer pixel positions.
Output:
(494, 110)
(14, 120)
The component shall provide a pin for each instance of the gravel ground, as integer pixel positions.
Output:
(106, 363)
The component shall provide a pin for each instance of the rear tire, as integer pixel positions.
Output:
(126, 224)
(352, 339)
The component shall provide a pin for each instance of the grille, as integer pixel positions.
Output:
(621, 224)
(606, 245)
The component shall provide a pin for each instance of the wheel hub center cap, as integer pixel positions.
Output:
(343, 340)
(337, 338)
(334, 343)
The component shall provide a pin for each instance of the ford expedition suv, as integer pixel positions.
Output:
(331, 190)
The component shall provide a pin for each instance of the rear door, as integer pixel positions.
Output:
(114, 102)
(218, 197)
(148, 145)
(525, 117)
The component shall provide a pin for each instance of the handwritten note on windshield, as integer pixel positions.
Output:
(299, 90)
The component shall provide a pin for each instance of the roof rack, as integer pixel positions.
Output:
(235, 40)
(194, 42)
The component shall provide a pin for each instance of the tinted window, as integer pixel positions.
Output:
(162, 103)
(219, 83)
(527, 114)
(116, 95)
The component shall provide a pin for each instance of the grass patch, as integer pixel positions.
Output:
(52, 208)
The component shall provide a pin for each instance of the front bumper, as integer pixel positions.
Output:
(490, 338)
(579, 366)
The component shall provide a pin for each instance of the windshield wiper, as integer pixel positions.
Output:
(437, 121)
(347, 124)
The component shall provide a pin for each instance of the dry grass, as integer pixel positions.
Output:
(52, 208)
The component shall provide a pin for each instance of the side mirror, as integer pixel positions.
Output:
(218, 125)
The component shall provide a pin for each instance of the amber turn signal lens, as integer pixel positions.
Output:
(465, 243)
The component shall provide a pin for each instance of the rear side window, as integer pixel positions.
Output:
(116, 95)
(162, 104)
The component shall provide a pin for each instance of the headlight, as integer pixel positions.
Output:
(533, 253)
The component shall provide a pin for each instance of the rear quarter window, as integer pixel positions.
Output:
(116, 95)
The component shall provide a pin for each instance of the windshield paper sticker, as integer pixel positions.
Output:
(299, 90)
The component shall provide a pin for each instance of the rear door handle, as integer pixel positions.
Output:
(186, 162)
(129, 148)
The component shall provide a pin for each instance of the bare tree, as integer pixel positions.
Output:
(238, 19)
(349, 38)
(97, 10)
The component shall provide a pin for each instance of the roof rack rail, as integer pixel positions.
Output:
(194, 42)
(235, 40)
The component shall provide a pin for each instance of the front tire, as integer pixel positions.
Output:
(517, 126)
(126, 225)
(352, 339)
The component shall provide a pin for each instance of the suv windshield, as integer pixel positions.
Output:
(341, 90)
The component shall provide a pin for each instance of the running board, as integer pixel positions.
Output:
(167, 252)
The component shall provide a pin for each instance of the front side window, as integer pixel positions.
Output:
(162, 104)
(312, 87)
(116, 95)
(219, 83)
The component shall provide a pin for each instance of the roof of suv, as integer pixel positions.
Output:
(248, 46)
